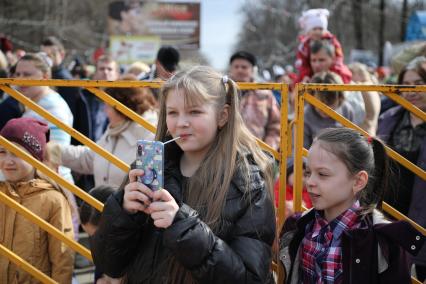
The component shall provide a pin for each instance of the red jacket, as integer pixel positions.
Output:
(303, 64)
(289, 195)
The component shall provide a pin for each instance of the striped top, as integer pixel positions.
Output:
(55, 105)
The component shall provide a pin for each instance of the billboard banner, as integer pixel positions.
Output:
(174, 22)
(128, 49)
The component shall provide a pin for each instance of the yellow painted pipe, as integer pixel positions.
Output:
(260, 86)
(119, 84)
(74, 133)
(407, 105)
(122, 108)
(268, 148)
(363, 88)
(44, 225)
(283, 155)
(283, 169)
(51, 174)
(394, 155)
(81, 83)
(298, 150)
(22, 263)
(399, 216)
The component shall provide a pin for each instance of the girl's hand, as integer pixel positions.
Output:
(137, 196)
(163, 209)
(289, 208)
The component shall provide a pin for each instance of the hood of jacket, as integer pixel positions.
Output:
(27, 188)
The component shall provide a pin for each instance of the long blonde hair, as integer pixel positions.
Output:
(209, 185)
(206, 190)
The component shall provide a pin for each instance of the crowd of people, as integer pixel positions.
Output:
(214, 221)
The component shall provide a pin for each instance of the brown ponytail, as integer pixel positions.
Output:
(361, 154)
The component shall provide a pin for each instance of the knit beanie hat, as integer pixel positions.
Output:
(314, 18)
(30, 133)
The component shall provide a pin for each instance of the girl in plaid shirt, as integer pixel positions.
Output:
(344, 238)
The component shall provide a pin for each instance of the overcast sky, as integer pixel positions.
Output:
(220, 24)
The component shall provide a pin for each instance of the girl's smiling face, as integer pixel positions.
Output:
(195, 122)
(329, 183)
(14, 168)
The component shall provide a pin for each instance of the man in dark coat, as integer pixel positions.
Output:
(72, 95)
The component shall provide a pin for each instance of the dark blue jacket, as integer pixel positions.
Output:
(9, 109)
(76, 102)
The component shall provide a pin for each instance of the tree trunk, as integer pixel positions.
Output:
(357, 13)
(404, 19)
(381, 31)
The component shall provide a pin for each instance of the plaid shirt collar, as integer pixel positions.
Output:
(343, 222)
(321, 250)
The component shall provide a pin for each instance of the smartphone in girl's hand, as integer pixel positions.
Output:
(150, 158)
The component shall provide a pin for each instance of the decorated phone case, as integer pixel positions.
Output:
(150, 158)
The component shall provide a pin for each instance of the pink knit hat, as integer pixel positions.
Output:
(314, 18)
(30, 133)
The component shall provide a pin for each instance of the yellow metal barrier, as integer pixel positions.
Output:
(283, 172)
(22, 263)
(51, 174)
(122, 108)
(390, 91)
(283, 154)
(93, 86)
(47, 171)
(298, 147)
(394, 155)
(74, 133)
(302, 91)
(44, 225)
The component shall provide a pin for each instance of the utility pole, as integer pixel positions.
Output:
(357, 13)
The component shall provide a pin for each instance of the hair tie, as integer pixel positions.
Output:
(369, 139)
(225, 79)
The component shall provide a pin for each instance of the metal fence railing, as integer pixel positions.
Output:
(303, 94)
(95, 88)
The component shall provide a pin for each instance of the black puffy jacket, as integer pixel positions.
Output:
(130, 245)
